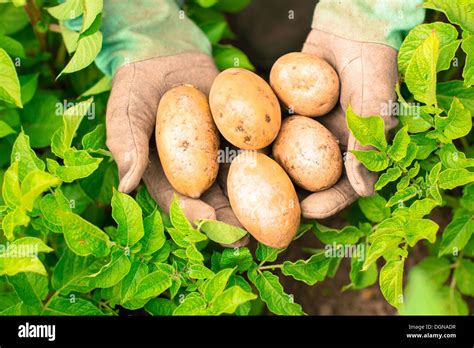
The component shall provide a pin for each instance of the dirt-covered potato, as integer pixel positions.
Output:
(305, 83)
(187, 140)
(308, 152)
(263, 198)
(245, 109)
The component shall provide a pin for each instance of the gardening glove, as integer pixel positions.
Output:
(150, 47)
(360, 40)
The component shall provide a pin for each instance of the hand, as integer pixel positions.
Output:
(368, 73)
(131, 112)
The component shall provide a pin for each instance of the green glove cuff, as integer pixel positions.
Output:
(378, 21)
(140, 30)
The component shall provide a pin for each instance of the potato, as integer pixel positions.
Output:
(308, 152)
(305, 83)
(187, 140)
(245, 109)
(263, 198)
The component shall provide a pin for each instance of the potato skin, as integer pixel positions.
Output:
(305, 83)
(308, 152)
(264, 199)
(187, 140)
(245, 109)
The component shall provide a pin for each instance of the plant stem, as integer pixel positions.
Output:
(34, 15)
(270, 267)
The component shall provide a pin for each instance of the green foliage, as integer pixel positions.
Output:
(419, 169)
(72, 244)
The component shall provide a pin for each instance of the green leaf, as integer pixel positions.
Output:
(425, 146)
(87, 49)
(420, 75)
(154, 233)
(198, 271)
(468, 72)
(82, 237)
(31, 289)
(403, 195)
(220, 232)
(12, 220)
(101, 86)
(389, 176)
(214, 286)
(75, 307)
(191, 305)
(77, 164)
(13, 47)
(34, 184)
(416, 119)
(9, 83)
(388, 236)
(412, 150)
(467, 199)
(231, 6)
(457, 124)
(450, 89)
(373, 160)
(177, 217)
(92, 8)
(67, 10)
(214, 30)
(272, 293)
(26, 157)
(245, 308)
(193, 254)
(160, 307)
(155, 283)
(230, 299)
(374, 208)
(452, 158)
(448, 44)
(70, 37)
(228, 56)
(71, 269)
(460, 12)
(309, 271)
(362, 279)
(29, 84)
(451, 178)
(240, 257)
(95, 140)
(110, 274)
(5, 129)
(128, 215)
(72, 118)
(12, 19)
(417, 229)
(464, 275)
(11, 191)
(399, 147)
(267, 254)
(347, 235)
(421, 207)
(129, 285)
(391, 277)
(367, 130)
(21, 255)
(39, 118)
(457, 233)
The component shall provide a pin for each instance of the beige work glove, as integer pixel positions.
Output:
(130, 121)
(368, 74)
